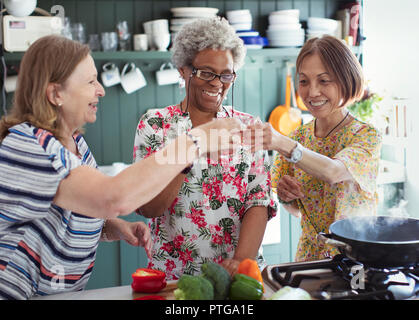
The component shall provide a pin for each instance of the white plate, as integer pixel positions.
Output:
(290, 12)
(322, 23)
(280, 19)
(248, 34)
(176, 28)
(194, 12)
(236, 13)
(242, 26)
(284, 26)
(240, 19)
(181, 21)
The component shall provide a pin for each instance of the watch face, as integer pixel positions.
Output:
(297, 155)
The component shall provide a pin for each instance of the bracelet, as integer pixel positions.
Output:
(284, 202)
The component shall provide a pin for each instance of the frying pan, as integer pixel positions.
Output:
(376, 241)
(290, 119)
(277, 113)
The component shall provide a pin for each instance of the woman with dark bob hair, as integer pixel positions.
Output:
(53, 200)
(216, 211)
(326, 169)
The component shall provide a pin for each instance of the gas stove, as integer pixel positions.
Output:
(342, 278)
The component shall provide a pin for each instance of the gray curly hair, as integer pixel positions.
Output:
(215, 33)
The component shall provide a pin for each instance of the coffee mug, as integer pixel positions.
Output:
(140, 42)
(110, 75)
(10, 84)
(167, 76)
(132, 78)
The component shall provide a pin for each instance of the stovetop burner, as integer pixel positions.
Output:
(343, 278)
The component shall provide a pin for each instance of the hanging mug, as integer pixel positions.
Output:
(10, 84)
(167, 76)
(132, 78)
(110, 75)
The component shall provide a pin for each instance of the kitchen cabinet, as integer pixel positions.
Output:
(259, 88)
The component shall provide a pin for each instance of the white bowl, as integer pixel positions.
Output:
(284, 26)
(242, 26)
(237, 13)
(245, 18)
(175, 28)
(201, 12)
(322, 24)
(282, 19)
(182, 21)
(290, 12)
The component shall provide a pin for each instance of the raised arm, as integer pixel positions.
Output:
(85, 190)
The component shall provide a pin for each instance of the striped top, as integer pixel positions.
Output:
(44, 249)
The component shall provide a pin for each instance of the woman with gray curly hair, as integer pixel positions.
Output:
(217, 209)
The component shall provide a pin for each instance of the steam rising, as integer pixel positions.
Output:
(394, 227)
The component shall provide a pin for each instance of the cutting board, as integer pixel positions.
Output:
(167, 292)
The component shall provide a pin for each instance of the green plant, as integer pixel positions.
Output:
(364, 109)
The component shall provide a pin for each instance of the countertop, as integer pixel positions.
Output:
(113, 293)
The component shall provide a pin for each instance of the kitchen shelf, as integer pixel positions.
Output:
(162, 55)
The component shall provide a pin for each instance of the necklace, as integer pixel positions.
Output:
(340, 122)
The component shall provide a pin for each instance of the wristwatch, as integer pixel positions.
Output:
(296, 154)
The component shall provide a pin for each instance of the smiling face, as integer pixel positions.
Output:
(318, 88)
(79, 95)
(207, 96)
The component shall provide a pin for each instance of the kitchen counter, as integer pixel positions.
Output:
(121, 293)
(113, 293)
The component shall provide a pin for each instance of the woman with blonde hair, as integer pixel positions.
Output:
(55, 205)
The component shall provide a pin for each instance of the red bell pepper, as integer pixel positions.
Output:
(148, 280)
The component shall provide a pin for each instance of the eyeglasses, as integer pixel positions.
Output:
(209, 76)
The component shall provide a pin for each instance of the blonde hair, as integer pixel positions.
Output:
(50, 59)
(339, 61)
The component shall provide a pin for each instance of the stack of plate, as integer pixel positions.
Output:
(186, 15)
(240, 20)
(285, 29)
(320, 26)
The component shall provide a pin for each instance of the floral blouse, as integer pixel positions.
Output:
(357, 145)
(203, 222)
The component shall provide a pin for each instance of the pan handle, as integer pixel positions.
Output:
(327, 239)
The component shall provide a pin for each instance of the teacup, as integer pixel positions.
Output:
(161, 41)
(141, 42)
(132, 78)
(110, 75)
(10, 84)
(167, 76)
